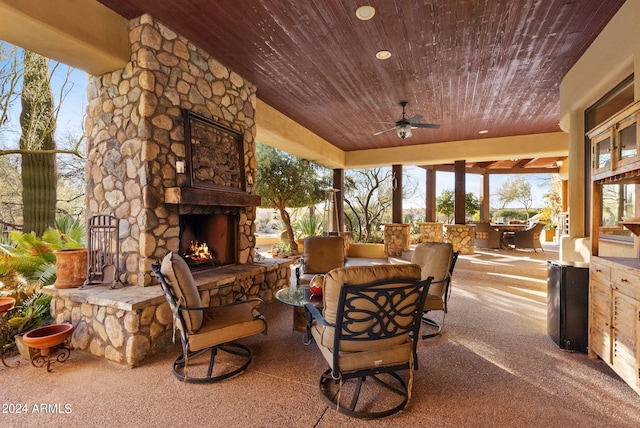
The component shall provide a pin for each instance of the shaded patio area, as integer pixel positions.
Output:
(494, 365)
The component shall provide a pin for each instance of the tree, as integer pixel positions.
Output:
(10, 75)
(285, 181)
(368, 197)
(36, 164)
(517, 189)
(37, 122)
(445, 204)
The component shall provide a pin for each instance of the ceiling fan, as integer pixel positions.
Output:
(405, 124)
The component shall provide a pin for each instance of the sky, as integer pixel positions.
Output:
(445, 180)
(72, 112)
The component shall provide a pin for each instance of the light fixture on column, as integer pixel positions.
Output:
(180, 167)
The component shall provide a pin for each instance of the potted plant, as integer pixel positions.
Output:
(31, 311)
(307, 226)
(550, 231)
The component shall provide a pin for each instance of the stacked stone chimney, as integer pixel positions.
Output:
(135, 134)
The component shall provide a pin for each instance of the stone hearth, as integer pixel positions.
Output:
(129, 324)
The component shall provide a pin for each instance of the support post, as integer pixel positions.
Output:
(485, 198)
(430, 199)
(459, 200)
(397, 194)
(338, 183)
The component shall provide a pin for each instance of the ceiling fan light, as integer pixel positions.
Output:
(404, 131)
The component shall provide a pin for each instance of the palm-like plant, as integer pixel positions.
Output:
(309, 226)
(33, 256)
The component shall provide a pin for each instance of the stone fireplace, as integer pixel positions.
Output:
(170, 154)
(171, 139)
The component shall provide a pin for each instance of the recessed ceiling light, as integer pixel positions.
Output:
(365, 13)
(383, 54)
(484, 131)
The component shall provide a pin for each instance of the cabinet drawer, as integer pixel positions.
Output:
(627, 281)
(600, 272)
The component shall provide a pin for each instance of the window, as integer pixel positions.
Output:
(618, 200)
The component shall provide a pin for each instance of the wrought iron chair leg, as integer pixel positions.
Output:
(356, 394)
(233, 348)
(212, 357)
(330, 398)
(432, 323)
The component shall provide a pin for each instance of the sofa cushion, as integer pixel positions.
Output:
(178, 276)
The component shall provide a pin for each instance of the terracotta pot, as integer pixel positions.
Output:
(47, 336)
(71, 267)
(6, 303)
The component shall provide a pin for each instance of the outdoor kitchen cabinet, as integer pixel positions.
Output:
(614, 315)
(614, 282)
(615, 144)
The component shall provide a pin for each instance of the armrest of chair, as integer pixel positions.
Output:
(311, 313)
(256, 303)
(315, 313)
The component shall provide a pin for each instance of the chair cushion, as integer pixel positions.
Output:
(334, 279)
(178, 275)
(323, 253)
(434, 303)
(225, 324)
(378, 357)
(434, 258)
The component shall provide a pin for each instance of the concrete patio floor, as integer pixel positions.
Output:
(494, 365)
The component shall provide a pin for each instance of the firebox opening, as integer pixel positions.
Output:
(213, 232)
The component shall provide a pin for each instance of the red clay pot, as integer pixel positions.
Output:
(6, 303)
(47, 336)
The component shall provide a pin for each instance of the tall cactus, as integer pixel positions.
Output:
(37, 123)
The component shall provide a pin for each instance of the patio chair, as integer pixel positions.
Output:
(321, 254)
(213, 328)
(528, 238)
(367, 330)
(437, 260)
(487, 237)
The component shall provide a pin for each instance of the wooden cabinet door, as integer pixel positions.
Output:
(626, 312)
(600, 319)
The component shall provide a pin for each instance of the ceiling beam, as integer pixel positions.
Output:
(475, 170)
(83, 34)
(553, 144)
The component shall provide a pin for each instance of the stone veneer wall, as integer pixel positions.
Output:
(430, 232)
(135, 136)
(129, 324)
(396, 238)
(461, 237)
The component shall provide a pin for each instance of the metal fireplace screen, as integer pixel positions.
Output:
(103, 249)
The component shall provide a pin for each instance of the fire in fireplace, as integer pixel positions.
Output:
(208, 240)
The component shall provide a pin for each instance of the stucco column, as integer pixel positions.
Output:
(576, 182)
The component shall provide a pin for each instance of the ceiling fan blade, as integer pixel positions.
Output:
(425, 125)
(386, 130)
(415, 118)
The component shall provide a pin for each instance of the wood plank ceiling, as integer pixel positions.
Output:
(469, 65)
